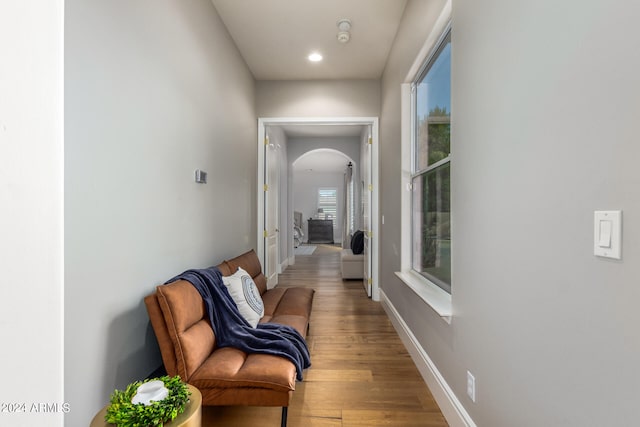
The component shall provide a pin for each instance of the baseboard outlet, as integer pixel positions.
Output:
(452, 409)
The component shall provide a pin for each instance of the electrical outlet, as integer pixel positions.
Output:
(471, 386)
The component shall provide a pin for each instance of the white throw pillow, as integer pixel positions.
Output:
(246, 295)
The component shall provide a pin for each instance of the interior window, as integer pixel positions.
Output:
(431, 165)
(327, 204)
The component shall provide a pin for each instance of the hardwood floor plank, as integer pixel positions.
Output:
(338, 375)
(360, 375)
(373, 418)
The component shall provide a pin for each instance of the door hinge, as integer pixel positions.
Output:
(265, 187)
(370, 187)
(370, 281)
(265, 233)
(266, 141)
(369, 234)
(370, 140)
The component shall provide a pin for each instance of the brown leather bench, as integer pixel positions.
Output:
(227, 376)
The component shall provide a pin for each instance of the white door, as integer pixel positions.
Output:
(271, 214)
(366, 211)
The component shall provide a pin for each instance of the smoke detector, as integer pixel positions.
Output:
(344, 26)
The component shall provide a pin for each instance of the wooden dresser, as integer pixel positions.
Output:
(320, 230)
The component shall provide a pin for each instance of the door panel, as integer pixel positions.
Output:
(366, 213)
(271, 217)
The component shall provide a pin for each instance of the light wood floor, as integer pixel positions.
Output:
(361, 374)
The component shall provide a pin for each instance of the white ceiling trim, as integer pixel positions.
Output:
(319, 126)
(317, 120)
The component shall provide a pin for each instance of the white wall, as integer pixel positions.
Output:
(154, 90)
(31, 218)
(324, 98)
(545, 97)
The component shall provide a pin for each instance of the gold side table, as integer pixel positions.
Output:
(191, 417)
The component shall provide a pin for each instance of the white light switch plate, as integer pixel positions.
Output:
(471, 386)
(607, 234)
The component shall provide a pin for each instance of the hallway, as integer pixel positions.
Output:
(361, 374)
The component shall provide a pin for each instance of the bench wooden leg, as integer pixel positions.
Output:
(283, 422)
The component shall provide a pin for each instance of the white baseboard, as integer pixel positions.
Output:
(292, 260)
(283, 265)
(449, 404)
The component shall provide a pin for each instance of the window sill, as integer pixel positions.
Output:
(434, 296)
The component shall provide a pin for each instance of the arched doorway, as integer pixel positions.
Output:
(320, 192)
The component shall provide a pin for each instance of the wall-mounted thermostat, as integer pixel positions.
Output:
(201, 176)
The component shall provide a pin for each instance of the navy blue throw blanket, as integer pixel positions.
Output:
(232, 330)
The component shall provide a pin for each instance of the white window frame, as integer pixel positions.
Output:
(437, 298)
(420, 170)
(335, 214)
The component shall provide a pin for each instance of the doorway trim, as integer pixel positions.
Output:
(375, 189)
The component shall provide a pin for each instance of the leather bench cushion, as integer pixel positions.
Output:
(245, 396)
(232, 368)
(271, 299)
(225, 268)
(296, 301)
(162, 334)
(188, 326)
(299, 323)
(251, 264)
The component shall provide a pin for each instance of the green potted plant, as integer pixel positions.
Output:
(148, 403)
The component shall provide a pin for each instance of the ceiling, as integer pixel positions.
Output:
(276, 36)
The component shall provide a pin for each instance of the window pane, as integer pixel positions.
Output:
(327, 203)
(433, 110)
(431, 223)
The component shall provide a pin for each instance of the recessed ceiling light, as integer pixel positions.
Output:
(315, 57)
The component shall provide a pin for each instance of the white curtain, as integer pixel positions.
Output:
(346, 206)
